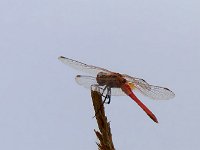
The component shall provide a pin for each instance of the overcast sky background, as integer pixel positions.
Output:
(42, 107)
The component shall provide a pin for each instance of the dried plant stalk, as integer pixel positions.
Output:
(104, 134)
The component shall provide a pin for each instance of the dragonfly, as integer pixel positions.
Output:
(110, 83)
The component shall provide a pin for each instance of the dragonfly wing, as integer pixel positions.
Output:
(154, 92)
(117, 92)
(88, 81)
(82, 67)
(114, 91)
(136, 81)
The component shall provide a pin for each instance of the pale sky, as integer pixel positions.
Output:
(43, 108)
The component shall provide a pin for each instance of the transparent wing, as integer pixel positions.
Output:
(117, 92)
(114, 91)
(82, 67)
(154, 92)
(88, 81)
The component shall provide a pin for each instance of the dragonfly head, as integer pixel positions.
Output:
(101, 74)
(101, 78)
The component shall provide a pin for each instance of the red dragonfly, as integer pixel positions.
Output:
(112, 83)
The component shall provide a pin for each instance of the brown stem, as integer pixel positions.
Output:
(104, 134)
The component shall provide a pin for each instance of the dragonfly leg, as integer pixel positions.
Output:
(105, 92)
(108, 95)
(96, 87)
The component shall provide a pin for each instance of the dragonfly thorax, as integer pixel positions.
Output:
(111, 80)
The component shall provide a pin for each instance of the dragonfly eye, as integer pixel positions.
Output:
(100, 74)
